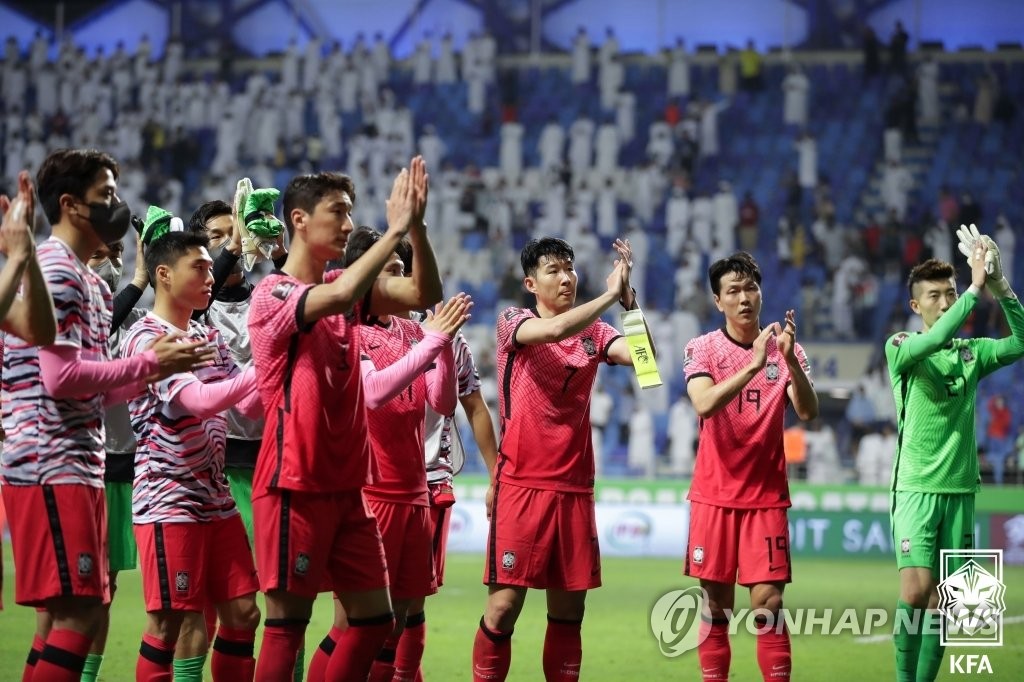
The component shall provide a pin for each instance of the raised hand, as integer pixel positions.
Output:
(979, 264)
(761, 345)
(16, 239)
(447, 318)
(401, 205)
(616, 279)
(969, 237)
(787, 339)
(421, 186)
(174, 357)
(625, 251)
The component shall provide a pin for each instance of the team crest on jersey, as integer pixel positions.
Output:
(966, 355)
(905, 545)
(85, 564)
(899, 339)
(589, 347)
(301, 564)
(281, 290)
(698, 555)
(771, 371)
(181, 581)
(508, 560)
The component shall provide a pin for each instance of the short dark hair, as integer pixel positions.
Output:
(740, 263)
(552, 247)
(206, 213)
(70, 171)
(932, 270)
(364, 237)
(167, 249)
(306, 191)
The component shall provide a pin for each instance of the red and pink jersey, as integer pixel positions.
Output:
(54, 442)
(544, 404)
(316, 437)
(396, 427)
(179, 458)
(741, 462)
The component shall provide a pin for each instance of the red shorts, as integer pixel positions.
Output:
(186, 566)
(405, 530)
(752, 542)
(59, 540)
(308, 543)
(542, 539)
(440, 519)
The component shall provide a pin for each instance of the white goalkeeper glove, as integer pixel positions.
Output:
(970, 239)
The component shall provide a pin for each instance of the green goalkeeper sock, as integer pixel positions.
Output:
(91, 671)
(930, 658)
(189, 669)
(907, 637)
(300, 665)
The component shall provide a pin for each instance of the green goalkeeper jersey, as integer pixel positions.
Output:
(934, 382)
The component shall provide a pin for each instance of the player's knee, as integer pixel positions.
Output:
(501, 614)
(245, 615)
(166, 625)
(770, 602)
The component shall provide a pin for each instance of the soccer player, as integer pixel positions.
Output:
(120, 440)
(935, 476)
(191, 538)
(53, 459)
(740, 379)
(445, 456)
(312, 526)
(543, 530)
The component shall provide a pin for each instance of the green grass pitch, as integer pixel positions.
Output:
(617, 641)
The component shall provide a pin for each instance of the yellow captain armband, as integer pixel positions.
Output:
(640, 348)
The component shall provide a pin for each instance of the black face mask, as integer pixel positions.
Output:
(110, 223)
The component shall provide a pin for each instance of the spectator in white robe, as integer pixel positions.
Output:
(796, 88)
(679, 71)
(581, 57)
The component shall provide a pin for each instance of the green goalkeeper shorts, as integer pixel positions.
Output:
(240, 484)
(121, 548)
(923, 524)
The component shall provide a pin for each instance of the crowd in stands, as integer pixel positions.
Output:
(837, 177)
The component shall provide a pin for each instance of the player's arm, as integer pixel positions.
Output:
(442, 384)
(31, 316)
(708, 397)
(479, 416)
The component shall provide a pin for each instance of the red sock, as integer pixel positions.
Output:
(492, 654)
(282, 638)
(63, 657)
(358, 645)
(774, 655)
(383, 667)
(409, 654)
(232, 655)
(713, 649)
(155, 659)
(563, 650)
(210, 614)
(38, 644)
(322, 656)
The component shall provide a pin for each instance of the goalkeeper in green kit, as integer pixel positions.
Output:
(935, 476)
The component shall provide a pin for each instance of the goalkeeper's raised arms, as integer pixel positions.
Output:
(970, 239)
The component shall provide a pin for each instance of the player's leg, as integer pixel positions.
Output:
(44, 623)
(956, 531)
(915, 523)
(408, 548)
(358, 573)
(232, 586)
(717, 529)
(290, 557)
(322, 656)
(518, 545)
(61, 556)
(764, 566)
(412, 643)
(574, 566)
(172, 558)
(122, 554)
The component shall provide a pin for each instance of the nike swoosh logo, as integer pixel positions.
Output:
(780, 667)
(776, 568)
(373, 347)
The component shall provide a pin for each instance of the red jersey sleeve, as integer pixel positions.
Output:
(508, 324)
